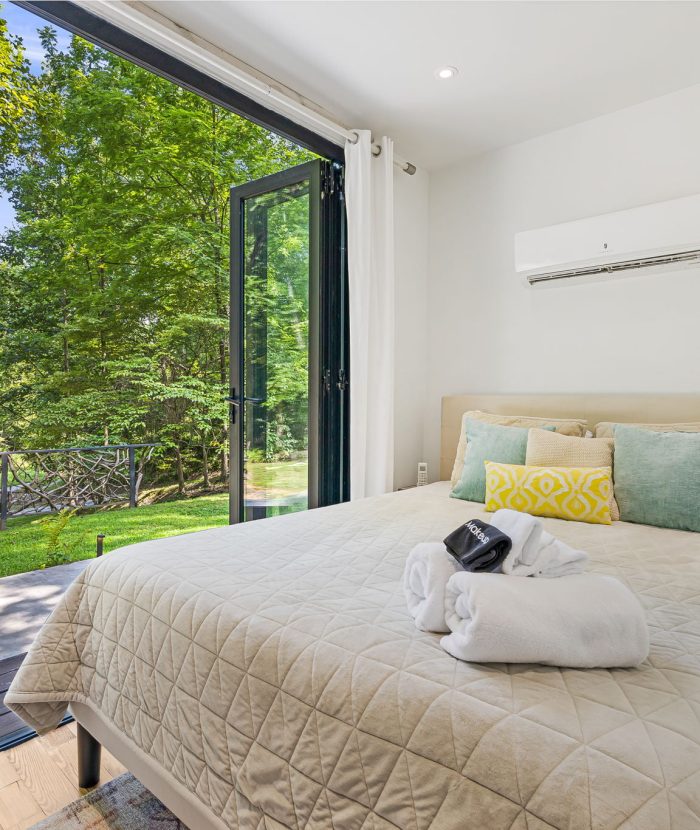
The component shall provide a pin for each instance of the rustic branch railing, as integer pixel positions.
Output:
(46, 481)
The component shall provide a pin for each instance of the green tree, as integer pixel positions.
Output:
(15, 90)
(114, 282)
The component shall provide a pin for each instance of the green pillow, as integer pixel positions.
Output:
(657, 477)
(488, 442)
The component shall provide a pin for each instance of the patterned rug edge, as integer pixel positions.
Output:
(121, 804)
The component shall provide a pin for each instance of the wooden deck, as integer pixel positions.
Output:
(27, 599)
(12, 728)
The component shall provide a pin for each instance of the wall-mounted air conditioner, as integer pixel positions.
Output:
(662, 234)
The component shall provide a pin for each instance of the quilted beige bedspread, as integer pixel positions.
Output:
(273, 670)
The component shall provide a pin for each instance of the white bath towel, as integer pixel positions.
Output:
(535, 552)
(581, 621)
(428, 568)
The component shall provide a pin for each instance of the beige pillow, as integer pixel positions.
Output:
(564, 426)
(548, 449)
(606, 429)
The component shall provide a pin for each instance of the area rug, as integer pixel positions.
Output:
(121, 804)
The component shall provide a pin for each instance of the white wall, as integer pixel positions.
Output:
(411, 229)
(489, 333)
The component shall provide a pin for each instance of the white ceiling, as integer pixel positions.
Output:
(525, 68)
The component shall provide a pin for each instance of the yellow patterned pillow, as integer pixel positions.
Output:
(549, 449)
(578, 493)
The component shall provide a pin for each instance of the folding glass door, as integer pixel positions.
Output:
(288, 375)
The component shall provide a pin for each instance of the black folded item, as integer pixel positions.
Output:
(478, 546)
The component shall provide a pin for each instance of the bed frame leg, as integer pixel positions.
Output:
(89, 754)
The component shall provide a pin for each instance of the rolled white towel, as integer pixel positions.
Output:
(536, 552)
(428, 568)
(583, 621)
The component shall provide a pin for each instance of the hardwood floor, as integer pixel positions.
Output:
(39, 777)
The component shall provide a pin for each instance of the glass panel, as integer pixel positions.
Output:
(276, 352)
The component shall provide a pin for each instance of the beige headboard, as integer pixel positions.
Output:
(655, 409)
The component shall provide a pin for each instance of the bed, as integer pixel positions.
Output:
(268, 676)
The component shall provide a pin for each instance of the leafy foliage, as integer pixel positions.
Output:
(58, 550)
(114, 281)
(15, 91)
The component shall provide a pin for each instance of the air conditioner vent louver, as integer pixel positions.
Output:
(651, 236)
(616, 267)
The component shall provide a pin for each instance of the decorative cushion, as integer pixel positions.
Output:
(581, 494)
(548, 449)
(657, 477)
(606, 429)
(488, 442)
(564, 426)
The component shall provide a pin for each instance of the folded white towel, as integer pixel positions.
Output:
(582, 621)
(428, 568)
(535, 552)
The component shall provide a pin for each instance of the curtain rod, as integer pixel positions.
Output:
(158, 30)
(404, 165)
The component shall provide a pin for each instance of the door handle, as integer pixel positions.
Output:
(234, 400)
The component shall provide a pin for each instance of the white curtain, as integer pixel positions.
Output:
(369, 195)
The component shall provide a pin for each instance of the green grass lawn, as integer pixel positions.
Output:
(278, 478)
(23, 544)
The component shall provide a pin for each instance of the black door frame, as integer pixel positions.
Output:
(328, 481)
(311, 172)
(334, 341)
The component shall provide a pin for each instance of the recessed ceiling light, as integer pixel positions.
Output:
(444, 73)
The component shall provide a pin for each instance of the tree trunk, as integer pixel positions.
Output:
(66, 361)
(221, 293)
(180, 472)
(205, 465)
(224, 456)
